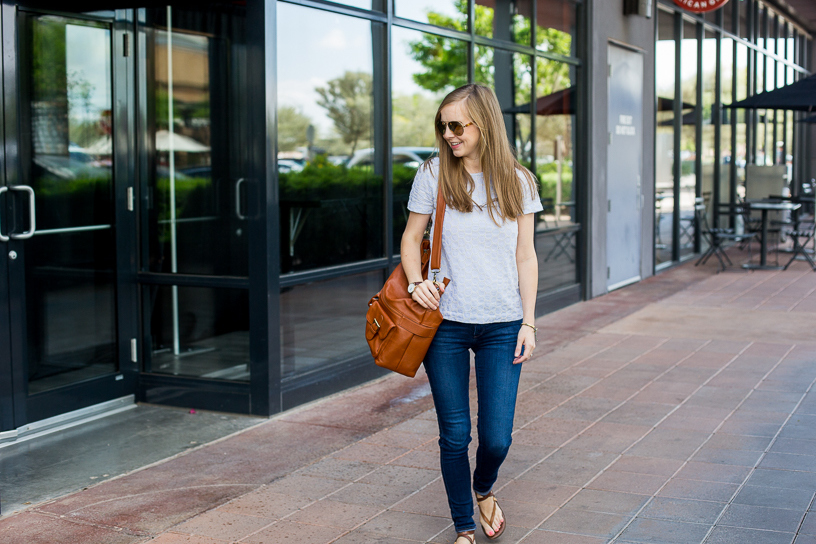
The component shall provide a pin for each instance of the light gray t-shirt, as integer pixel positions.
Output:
(477, 255)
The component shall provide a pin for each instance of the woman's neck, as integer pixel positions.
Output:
(473, 166)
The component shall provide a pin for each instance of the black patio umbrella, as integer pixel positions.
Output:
(800, 96)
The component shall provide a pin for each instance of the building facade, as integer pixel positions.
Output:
(198, 200)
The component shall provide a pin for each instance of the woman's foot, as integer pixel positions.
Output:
(491, 515)
(466, 537)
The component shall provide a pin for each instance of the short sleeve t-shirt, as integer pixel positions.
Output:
(478, 255)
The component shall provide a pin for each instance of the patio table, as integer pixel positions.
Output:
(765, 206)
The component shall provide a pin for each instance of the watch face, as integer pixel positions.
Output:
(411, 288)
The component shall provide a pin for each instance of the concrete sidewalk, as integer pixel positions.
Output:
(677, 410)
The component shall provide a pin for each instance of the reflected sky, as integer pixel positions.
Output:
(313, 47)
(86, 50)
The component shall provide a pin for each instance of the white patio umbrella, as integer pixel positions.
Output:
(104, 145)
(180, 143)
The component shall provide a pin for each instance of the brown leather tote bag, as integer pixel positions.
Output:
(399, 330)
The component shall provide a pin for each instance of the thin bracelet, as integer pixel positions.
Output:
(535, 329)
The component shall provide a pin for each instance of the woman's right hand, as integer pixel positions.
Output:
(427, 294)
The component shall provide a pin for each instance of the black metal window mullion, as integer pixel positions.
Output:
(732, 171)
(533, 89)
(387, 114)
(264, 224)
(717, 118)
(678, 127)
(698, 136)
(471, 72)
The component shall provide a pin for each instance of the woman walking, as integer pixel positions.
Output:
(489, 306)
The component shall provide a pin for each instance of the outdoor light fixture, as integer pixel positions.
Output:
(638, 7)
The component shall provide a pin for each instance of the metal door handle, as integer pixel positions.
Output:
(238, 198)
(32, 213)
(3, 238)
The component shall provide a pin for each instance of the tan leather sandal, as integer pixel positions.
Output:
(468, 537)
(496, 532)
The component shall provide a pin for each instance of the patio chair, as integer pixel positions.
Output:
(718, 237)
(799, 246)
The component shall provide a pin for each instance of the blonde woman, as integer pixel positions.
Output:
(489, 306)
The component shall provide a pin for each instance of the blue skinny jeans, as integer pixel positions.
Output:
(447, 364)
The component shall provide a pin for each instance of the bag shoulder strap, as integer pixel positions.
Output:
(439, 219)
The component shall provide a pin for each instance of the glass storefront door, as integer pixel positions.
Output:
(193, 204)
(61, 219)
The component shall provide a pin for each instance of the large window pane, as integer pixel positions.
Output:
(322, 324)
(196, 144)
(330, 165)
(445, 13)
(688, 138)
(707, 150)
(554, 137)
(425, 68)
(741, 92)
(727, 97)
(70, 293)
(728, 16)
(664, 136)
(203, 333)
(761, 23)
(509, 75)
(743, 7)
(760, 117)
(507, 20)
(556, 26)
(557, 225)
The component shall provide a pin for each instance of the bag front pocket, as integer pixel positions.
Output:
(378, 326)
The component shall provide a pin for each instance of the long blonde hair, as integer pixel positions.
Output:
(499, 165)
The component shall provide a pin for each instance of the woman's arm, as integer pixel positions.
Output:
(426, 294)
(527, 264)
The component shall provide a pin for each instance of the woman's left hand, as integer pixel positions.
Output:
(525, 344)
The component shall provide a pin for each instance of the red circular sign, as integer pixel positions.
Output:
(701, 6)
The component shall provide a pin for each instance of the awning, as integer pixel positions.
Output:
(799, 96)
(563, 103)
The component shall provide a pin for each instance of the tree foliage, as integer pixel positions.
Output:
(412, 118)
(347, 100)
(292, 128)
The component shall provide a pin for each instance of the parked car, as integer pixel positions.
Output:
(408, 156)
(290, 165)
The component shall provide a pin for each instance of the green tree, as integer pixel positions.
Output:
(49, 74)
(445, 59)
(347, 101)
(413, 120)
(292, 127)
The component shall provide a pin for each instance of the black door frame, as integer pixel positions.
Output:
(7, 407)
(17, 408)
(261, 395)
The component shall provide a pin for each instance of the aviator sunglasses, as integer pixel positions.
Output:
(455, 126)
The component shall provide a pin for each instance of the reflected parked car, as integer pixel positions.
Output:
(407, 156)
(290, 165)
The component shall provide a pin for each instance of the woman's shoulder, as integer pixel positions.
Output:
(429, 169)
(522, 172)
(430, 165)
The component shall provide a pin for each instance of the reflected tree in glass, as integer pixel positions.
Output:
(329, 156)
